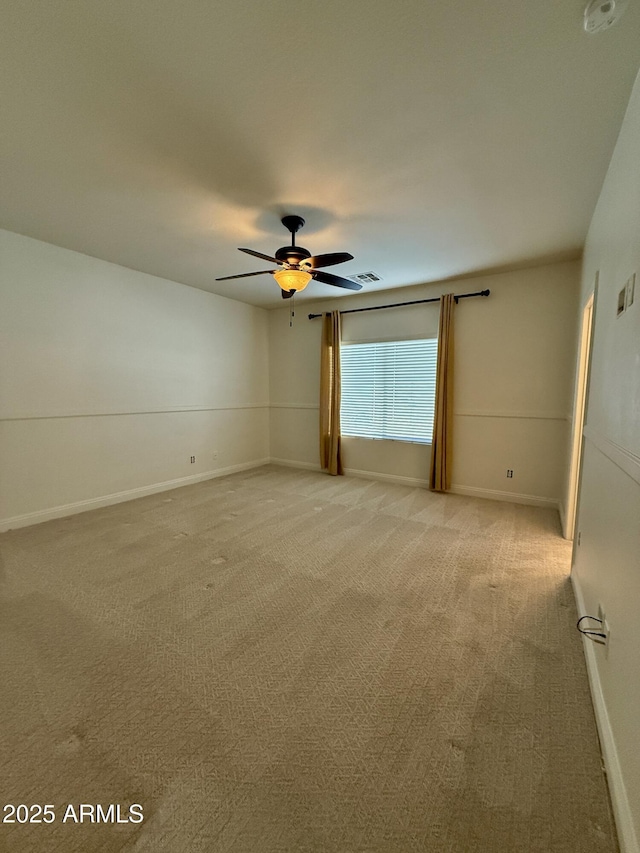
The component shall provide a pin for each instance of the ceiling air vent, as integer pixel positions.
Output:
(366, 277)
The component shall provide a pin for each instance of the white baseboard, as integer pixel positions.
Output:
(509, 497)
(563, 519)
(622, 813)
(354, 472)
(468, 491)
(119, 497)
(387, 478)
(131, 494)
(292, 463)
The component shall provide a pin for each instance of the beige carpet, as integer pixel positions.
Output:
(285, 661)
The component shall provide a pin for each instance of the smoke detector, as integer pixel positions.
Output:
(602, 14)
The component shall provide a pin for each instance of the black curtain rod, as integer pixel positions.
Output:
(402, 304)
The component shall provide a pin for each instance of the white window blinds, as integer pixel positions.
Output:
(388, 389)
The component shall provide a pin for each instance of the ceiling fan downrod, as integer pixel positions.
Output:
(293, 224)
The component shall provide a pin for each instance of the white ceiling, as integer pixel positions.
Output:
(429, 139)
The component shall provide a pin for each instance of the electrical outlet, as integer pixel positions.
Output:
(193, 459)
(509, 472)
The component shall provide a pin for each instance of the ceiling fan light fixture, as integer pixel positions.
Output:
(289, 279)
(296, 266)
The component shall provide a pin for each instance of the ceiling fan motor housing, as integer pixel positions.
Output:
(292, 254)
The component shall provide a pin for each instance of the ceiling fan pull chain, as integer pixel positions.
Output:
(292, 312)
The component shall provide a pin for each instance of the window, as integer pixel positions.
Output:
(389, 389)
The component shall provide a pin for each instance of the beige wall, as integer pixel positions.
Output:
(607, 561)
(110, 379)
(514, 379)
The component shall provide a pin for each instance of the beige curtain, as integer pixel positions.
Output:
(440, 475)
(330, 394)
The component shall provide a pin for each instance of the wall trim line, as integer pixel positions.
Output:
(120, 497)
(617, 790)
(117, 414)
(624, 459)
(529, 416)
(542, 416)
(294, 406)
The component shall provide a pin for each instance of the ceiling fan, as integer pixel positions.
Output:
(297, 266)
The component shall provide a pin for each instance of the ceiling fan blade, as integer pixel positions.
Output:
(287, 294)
(259, 255)
(245, 275)
(328, 260)
(328, 278)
